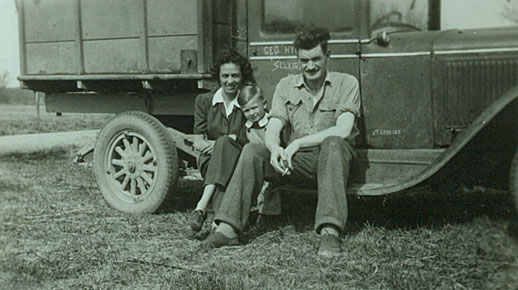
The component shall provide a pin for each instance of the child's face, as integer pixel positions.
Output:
(254, 109)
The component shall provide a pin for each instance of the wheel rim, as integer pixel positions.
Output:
(131, 165)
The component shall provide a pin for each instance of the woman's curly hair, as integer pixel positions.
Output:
(232, 56)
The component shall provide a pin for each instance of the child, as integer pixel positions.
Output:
(253, 106)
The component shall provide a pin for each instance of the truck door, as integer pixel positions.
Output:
(271, 29)
(395, 75)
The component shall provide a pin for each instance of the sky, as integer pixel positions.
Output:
(474, 13)
(455, 14)
(9, 54)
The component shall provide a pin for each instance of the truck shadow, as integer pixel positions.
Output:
(424, 209)
(434, 208)
(427, 209)
(187, 194)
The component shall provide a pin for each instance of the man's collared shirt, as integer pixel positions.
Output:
(306, 114)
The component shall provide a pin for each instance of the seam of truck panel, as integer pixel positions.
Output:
(288, 57)
(172, 35)
(396, 54)
(111, 38)
(440, 52)
(481, 50)
(344, 56)
(290, 42)
(101, 77)
(284, 57)
(50, 41)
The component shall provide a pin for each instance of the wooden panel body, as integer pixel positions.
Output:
(102, 19)
(55, 58)
(113, 56)
(50, 20)
(89, 37)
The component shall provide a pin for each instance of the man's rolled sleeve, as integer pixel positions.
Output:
(350, 102)
(279, 105)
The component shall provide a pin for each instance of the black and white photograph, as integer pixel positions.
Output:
(259, 144)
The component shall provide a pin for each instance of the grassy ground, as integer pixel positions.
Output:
(56, 232)
(23, 119)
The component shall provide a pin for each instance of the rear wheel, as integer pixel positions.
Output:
(136, 163)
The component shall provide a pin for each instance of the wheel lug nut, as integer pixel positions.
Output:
(131, 167)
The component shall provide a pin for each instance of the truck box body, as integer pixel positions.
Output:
(117, 37)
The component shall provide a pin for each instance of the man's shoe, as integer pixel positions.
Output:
(202, 235)
(218, 240)
(329, 246)
(196, 220)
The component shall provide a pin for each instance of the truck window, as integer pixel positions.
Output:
(398, 15)
(284, 17)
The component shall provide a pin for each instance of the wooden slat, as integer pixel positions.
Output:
(22, 39)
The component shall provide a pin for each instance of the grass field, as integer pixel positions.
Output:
(23, 119)
(56, 232)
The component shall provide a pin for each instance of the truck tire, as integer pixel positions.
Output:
(136, 163)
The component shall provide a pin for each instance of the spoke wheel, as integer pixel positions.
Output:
(132, 166)
(135, 163)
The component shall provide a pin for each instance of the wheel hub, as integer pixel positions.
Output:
(133, 166)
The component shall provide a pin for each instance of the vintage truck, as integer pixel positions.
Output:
(439, 107)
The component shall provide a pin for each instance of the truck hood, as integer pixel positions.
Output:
(469, 39)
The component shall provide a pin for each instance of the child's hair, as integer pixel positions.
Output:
(247, 93)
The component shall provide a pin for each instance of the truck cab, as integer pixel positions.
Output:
(438, 106)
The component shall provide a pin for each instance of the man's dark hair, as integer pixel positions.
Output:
(309, 37)
(231, 56)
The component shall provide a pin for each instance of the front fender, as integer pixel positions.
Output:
(506, 103)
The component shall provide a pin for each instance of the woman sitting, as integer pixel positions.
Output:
(219, 128)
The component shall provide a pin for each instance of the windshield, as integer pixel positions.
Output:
(400, 15)
(284, 17)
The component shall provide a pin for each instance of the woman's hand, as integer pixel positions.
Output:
(199, 142)
(203, 145)
(209, 148)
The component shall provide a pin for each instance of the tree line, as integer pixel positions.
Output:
(14, 95)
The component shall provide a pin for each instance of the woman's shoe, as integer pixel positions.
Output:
(196, 220)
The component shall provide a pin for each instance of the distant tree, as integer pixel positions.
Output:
(4, 79)
(510, 11)
(13, 95)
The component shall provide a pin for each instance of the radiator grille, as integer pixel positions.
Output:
(470, 86)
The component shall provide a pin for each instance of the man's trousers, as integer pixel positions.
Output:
(326, 165)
